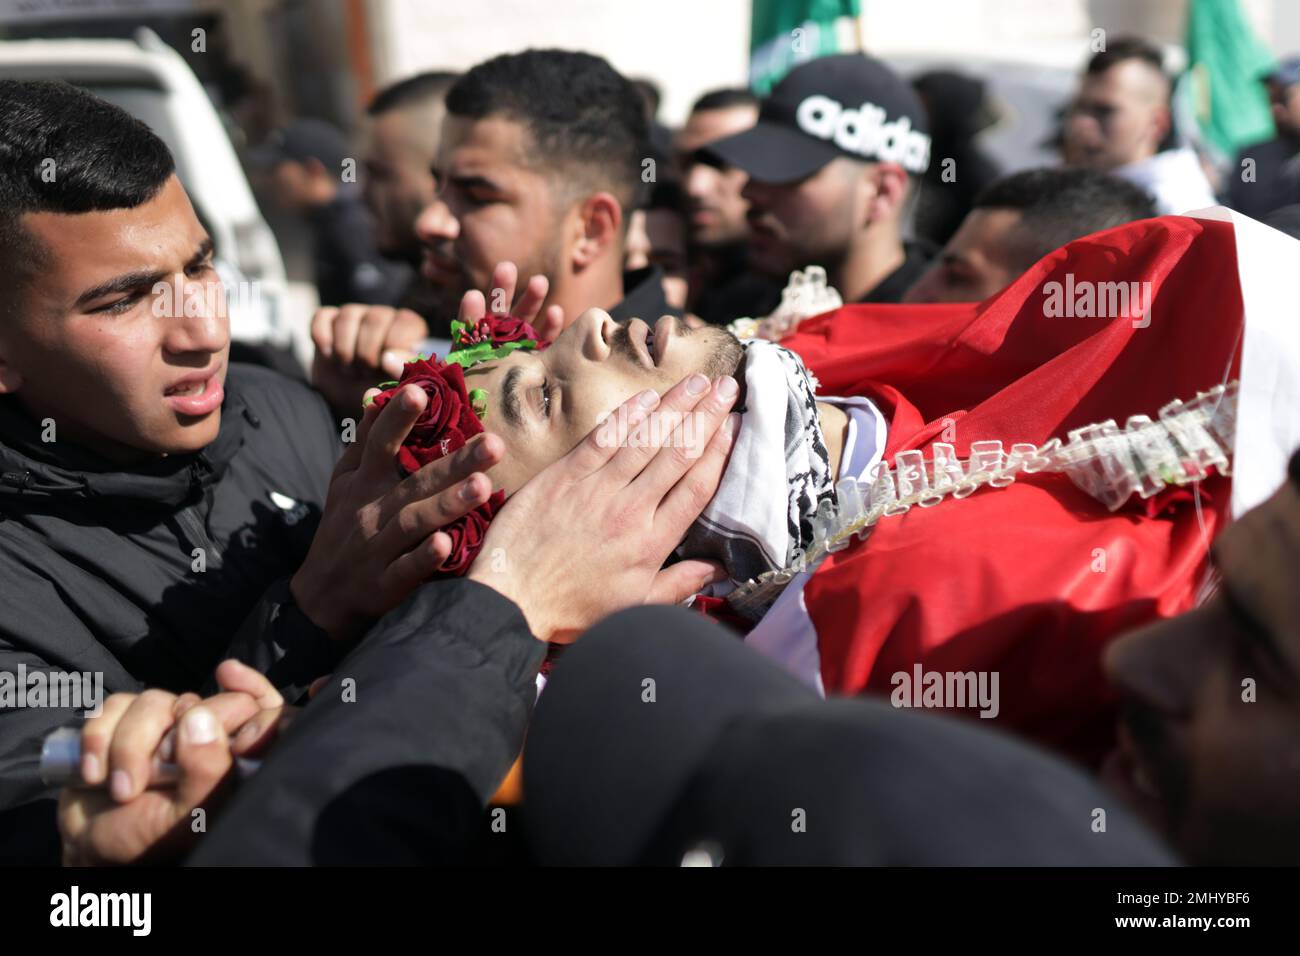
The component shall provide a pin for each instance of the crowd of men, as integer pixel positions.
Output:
(314, 552)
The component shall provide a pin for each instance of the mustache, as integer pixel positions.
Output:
(620, 342)
(1160, 754)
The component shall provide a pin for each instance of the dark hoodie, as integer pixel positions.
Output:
(153, 575)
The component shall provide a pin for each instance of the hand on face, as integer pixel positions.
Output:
(131, 822)
(589, 535)
(542, 404)
(378, 536)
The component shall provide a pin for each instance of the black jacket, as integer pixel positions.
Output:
(1276, 179)
(396, 765)
(100, 567)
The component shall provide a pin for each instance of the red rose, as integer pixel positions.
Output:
(467, 533)
(506, 328)
(447, 421)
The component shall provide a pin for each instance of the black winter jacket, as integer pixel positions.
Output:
(151, 576)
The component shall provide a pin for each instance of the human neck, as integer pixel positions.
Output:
(875, 254)
(835, 429)
(600, 288)
(116, 453)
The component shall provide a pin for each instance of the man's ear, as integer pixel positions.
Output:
(1162, 122)
(889, 185)
(599, 228)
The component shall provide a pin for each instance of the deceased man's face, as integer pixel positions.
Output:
(1210, 742)
(544, 403)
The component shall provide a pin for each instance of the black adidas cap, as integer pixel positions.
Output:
(849, 105)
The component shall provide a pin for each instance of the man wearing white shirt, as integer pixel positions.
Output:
(1120, 122)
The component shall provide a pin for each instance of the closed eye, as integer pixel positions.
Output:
(120, 306)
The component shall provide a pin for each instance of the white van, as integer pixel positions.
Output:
(152, 82)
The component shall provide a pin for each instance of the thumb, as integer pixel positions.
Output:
(393, 359)
(202, 755)
(675, 583)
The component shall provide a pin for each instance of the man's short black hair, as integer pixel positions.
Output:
(587, 121)
(64, 150)
(725, 99)
(412, 91)
(1122, 49)
(1060, 205)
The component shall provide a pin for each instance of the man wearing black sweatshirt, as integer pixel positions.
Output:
(160, 508)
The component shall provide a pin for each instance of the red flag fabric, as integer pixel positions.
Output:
(1032, 580)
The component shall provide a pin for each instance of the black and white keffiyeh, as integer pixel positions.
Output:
(779, 471)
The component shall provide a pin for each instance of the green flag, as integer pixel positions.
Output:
(1225, 65)
(784, 33)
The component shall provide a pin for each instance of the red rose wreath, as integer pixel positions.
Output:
(454, 415)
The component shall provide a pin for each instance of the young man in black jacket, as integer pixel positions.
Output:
(161, 509)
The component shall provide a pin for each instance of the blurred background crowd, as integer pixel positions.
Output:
(306, 131)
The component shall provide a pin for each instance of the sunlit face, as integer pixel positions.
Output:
(1210, 744)
(981, 258)
(717, 207)
(399, 182)
(793, 225)
(122, 336)
(1118, 117)
(544, 403)
(496, 204)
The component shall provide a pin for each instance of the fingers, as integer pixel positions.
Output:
(350, 460)
(417, 565)
(233, 709)
(551, 324)
(683, 504)
(504, 278)
(414, 522)
(393, 360)
(472, 307)
(260, 732)
(373, 332)
(639, 446)
(203, 756)
(530, 303)
(609, 437)
(397, 347)
(135, 740)
(385, 435)
(477, 455)
(322, 330)
(236, 676)
(675, 583)
(346, 325)
(96, 734)
(688, 442)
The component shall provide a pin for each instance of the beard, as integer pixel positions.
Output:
(724, 354)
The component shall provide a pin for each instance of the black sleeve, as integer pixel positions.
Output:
(395, 759)
(279, 640)
(353, 270)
